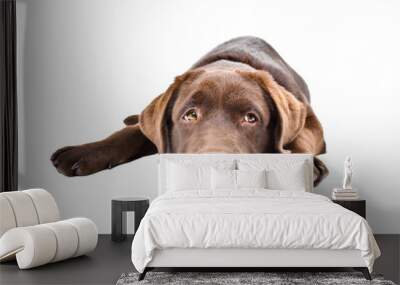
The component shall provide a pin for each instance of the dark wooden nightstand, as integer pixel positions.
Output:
(119, 207)
(357, 206)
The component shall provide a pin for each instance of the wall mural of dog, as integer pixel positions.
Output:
(241, 97)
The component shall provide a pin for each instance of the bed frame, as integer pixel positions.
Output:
(250, 259)
(236, 259)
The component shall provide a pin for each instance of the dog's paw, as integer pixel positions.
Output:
(80, 160)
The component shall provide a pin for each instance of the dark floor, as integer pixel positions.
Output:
(103, 266)
(110, 260)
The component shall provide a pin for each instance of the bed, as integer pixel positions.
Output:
(247, 211)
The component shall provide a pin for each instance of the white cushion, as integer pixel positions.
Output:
(7, 220)
(23, 208)
(223, 179)
(87, 233)
(268, 161)
(251, 178)
(282, 175)
(187, 177)
(227, 179)
(45, 205)
(40, 244)
(27, 208)
(67, 237)
(292, 178)
(32, 246)
(188, 172)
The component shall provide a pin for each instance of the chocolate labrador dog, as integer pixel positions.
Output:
(241, 97)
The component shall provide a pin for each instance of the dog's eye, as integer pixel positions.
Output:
(250, 118)
(190, 115)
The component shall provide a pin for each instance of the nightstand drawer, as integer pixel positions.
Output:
(357, 206)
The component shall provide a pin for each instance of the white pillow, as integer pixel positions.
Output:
(223, 179)
(251, 178)
(293, 179)
(289, 175)
(182, 177)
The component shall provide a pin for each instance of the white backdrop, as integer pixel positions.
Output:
(84, 65)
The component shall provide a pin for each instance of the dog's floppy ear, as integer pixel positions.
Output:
(298, 129)
(131, 120)
(153, 119)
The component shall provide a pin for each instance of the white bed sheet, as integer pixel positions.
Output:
(251, 218)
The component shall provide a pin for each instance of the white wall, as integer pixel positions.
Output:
(86, 65)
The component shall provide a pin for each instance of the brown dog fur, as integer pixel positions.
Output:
(240, 79)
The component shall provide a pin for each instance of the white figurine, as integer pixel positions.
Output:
(348, 173)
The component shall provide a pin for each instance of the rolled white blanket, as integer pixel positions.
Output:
(40, 244)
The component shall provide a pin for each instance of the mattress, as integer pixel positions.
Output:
(250, 219)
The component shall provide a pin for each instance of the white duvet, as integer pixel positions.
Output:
(250, 219)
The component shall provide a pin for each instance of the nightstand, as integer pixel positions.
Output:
(119, 207)
(357, 206)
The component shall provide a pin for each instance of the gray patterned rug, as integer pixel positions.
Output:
(269, 278)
